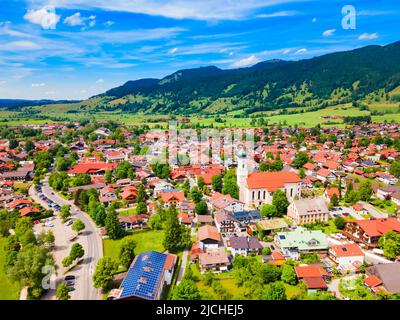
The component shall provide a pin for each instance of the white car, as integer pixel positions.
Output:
(49, 224)
(68, 223)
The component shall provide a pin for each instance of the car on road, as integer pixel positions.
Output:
(69, 277)
(49, 224)
(36, 222)
(70, 283)
(70, 288)
(69, 222)
(345, 214)
(72, 237)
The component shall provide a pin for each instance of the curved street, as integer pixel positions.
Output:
(90, 239)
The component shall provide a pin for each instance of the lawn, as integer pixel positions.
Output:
(146, 240)
(127, 212)
(8, 290)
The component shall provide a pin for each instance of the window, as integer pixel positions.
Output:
(264, 194)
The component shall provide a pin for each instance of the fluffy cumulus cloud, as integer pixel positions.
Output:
(246, 62)
(328, 33)
(368, 36)
(46, 17)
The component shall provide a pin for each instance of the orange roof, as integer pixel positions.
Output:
(315, 283)
(373, 281)
(378, 227)
(310, 271)
(347, 250)
(331, 191)
(330, 164)
(18, 202)
(277, 255)
(92, 167)
(168, 196)
(358, 207)
(271, 180)
(28, 210)
(309, 166)
(208, 232)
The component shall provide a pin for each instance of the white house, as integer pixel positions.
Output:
(346, 256)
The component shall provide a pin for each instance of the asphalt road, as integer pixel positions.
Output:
(372, 211)
(90, 240)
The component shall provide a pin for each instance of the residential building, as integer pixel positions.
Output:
(305, 211)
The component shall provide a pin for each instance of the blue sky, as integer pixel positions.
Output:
(73, 49)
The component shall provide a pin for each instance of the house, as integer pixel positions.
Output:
(313, 275)
(214, 260)
(346, 256)
(226, 222)
(325, 175)
(267, 226)
(244, 245)
(204, 219)
(26, 211)
(133, 221)
(387, 192)
(209, 237)
(195, 251)
(107, 194)
(369, 231)
(129, 194)
(329, 192)
(386, 275)
(96, 186)
(172, 198)
(301, 240)
(185, 219)
(305, 211)
(258, 188)
(19, 204)
(226, 202)
(93, 169)
(146, 277)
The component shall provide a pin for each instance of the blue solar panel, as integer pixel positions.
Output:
(143, 277)
(282, 237)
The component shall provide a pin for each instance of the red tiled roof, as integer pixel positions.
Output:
(271, 181)
(310, 271)
(28, 210)
(331, 191)
(277, 255)
(92, 167)
(347, 250)
(378, 227)
(315, 283)
(373, 281)
(168, 196)
(208, 232)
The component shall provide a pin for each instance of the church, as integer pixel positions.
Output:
(257, 188)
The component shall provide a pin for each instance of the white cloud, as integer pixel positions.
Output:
(38, 85)
(100, 81)
(301, 51)
(3, 82)
(245, 62)
(368, 36)
(45, 17)
(176, 9)
(329, 32)
(78, 20)
(278, 14)
(314, 20)
(172, 51)
(286, 51)
(109, 23)
(20, 45)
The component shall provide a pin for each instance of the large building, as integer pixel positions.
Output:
(257, 188)
(146, 277)
(304, 211)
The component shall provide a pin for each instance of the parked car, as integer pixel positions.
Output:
(69, 222)
(345, 214)
(70, 283)
(69, 277)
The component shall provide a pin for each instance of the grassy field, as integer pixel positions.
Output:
(8, 290)
(307, 119)
(127, 212)
(146, 240)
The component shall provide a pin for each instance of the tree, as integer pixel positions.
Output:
(76, 252)
(365, 191)
(302, 173)
(390, 244)
(141, 208)
(201, 208)
(112, 225)
(65, 212)
(186, 290)
(108, 176)
(78, 226)
(289, 275)
(126, 252)
(46, 237)
(200, 183)
(216, 182)
(103, 275)
(155, 222)
(395, 169)
(268, 210)
(141, 197)
(172, 237)
(274, 291)
(196, 195)
(62, 292)
(280, 201)
(230, 186)
(339, 222)
(334, 200)
(300, 159)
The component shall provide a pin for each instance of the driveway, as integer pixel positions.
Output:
(372, 211)
(90, 240)
(333, 286)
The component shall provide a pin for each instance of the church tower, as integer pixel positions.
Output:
(242, 172)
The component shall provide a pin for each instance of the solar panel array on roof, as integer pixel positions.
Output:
(143, 277)
(282, 237)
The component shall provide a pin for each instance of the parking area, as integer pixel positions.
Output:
(345, 212)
